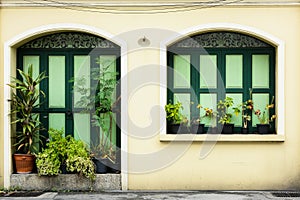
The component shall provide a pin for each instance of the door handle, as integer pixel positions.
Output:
(69, 113)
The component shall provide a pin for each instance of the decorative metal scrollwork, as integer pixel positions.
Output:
(70, 40)
(220, 40)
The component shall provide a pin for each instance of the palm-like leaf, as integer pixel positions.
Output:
(24, 99)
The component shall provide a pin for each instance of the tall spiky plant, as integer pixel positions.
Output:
(25, 97)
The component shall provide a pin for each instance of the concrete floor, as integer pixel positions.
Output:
(166, 195)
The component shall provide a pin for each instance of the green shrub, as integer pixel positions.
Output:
(65, 150)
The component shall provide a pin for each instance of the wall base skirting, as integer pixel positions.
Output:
(65, 182)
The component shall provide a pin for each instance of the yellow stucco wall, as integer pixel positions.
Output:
(230, 165)
(1, 104)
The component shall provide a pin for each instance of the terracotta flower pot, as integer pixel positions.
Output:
(24, 163)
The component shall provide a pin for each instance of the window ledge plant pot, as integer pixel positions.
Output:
(197, 128)
(177, 129)
(263, 128)
(228, 129)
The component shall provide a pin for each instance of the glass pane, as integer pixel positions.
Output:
(182, 71)
(109, 62)
(81, 81)
(36, 140)
(82, 127)
(208, 71)
(35, 62)
(234, 71)
(107, 129)
(107, 120)
(185, 100)
(108, 73)
(260, 102)
(208, 101)
(237, 101)
(57, 121)
(260, 71)
(56, 81)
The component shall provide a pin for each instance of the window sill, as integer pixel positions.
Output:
(221, 138)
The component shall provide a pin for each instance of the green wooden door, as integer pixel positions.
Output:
(68, 67)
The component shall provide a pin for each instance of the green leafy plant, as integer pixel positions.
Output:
(212, 115)
(247, 108)
(65, 150)
(54, 155)
(196, 120)
(174, 115)
(48, 162)
(263, 117)
(78, 159)
(25, 98)
(100, 100)
(223, 108)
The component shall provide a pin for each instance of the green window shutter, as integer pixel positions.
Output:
(223, 64)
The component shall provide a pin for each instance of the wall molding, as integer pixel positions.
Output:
(106, 4)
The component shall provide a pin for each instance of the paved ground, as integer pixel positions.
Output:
(189, 195)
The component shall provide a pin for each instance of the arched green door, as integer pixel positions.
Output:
(76, 86)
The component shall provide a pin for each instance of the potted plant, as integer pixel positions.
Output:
(105, 161)
(66, 151)
(100, 101)
(196, 126)
(25, 97)
(78, 159)
(225, 115)
(176, 121)
(247, 109)
(212, 115)
(264, 118)
(99, 156)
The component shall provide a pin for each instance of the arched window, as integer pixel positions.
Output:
(71, 60)
(209, 67)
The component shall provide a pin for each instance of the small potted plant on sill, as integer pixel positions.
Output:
(25, 98)
(212, 115)
(264, 118)
(247, 109)
(225, 115)
(196, 127)
(176, 122)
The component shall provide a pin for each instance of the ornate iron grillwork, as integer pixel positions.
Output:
(69, 40)
(220, 40)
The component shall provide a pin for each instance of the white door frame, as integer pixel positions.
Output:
(9, 64)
